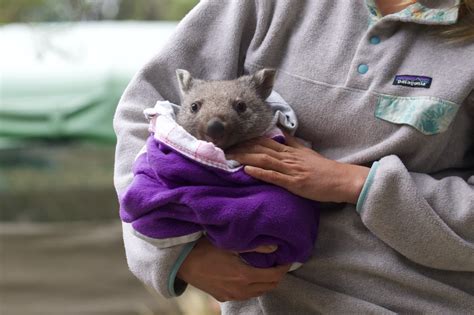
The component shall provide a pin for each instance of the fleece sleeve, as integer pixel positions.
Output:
(211, 43)
(428, 220)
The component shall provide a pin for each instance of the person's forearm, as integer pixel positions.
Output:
(430, 220)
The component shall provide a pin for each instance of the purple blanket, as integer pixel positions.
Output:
(174, 195)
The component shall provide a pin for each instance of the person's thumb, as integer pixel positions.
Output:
(264, 249)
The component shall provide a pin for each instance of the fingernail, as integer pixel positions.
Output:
(271, 248)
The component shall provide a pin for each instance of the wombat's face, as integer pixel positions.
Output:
(226, 112)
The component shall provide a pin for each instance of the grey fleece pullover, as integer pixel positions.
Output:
(387, 93)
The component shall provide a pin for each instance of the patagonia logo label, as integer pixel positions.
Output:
(416, 81)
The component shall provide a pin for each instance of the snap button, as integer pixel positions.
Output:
(363, 68)
(374, 40)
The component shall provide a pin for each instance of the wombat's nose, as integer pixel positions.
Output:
(215, 128)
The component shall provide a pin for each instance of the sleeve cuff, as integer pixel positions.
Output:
(366, 187)
(177, 286)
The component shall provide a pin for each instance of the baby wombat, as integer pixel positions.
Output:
(226, 112)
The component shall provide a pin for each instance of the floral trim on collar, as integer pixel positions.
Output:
(417, 13)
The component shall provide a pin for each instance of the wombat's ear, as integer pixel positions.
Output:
(264, 80)
(185, 80)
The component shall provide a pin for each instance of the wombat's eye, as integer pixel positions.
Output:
(240, 106)
(195, 107)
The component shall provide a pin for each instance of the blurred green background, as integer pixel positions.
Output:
(63, 67)
(28, 11)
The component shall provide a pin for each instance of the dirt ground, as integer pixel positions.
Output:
(78, 268)
(61, 250)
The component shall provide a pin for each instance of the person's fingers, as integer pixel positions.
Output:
(264, 249)
(265, 275)
(225, 276)
(262, 287)
(264, 161)
(275, 177)
(238, 153)
(259, 142)
(272, 144)
(258, 289)
(292, 141)
(250, 291)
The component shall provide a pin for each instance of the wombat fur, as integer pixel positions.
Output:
(225, 112)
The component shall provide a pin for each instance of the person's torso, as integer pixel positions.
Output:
(362, 92)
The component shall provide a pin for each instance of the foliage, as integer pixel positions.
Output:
(12, 11)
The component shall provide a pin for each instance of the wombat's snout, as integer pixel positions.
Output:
(215, 128)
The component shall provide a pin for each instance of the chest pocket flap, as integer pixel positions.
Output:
(429, 115)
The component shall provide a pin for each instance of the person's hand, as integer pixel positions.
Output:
(225, 276)
(300, 170)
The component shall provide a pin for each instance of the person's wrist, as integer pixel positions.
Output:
(352, 179)
(184, 269)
